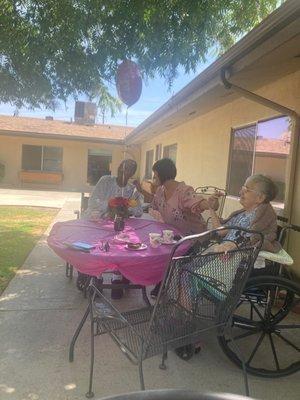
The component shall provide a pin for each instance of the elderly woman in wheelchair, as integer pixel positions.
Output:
(266, 318)
(258, 215)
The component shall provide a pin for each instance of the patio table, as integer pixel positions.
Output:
(143, 267)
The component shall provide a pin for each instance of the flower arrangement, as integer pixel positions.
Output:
(119, 207)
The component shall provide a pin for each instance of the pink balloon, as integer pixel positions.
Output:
(129, 82)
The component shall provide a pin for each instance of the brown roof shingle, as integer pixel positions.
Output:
(57, 129)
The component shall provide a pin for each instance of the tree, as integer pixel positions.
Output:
(105, 101)
(52, 49)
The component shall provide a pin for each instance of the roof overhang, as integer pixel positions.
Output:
(62, 137)
(269, 51)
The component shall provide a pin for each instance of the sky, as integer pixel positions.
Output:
(155, 93)
(273, 129)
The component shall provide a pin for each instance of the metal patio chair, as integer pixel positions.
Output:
(207, 191)
(199, 292)
(175, 394)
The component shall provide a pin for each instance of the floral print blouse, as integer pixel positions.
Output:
(244, 220)
(178, 209)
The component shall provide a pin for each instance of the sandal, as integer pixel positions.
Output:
(154, 292)
(82, 281)
(185, 352)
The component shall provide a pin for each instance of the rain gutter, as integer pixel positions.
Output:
(225, 75)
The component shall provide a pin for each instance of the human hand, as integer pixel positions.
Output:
(214, 200)
(213, 203)
(200, 207)
(156, 215)
(138, 185)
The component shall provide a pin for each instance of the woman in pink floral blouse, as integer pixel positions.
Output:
(176, 203)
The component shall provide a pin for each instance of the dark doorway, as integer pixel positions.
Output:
(98, 165)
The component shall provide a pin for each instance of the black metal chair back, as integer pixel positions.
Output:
(199, 292)
(210, 191)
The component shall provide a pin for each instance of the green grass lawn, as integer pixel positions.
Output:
(20, 229)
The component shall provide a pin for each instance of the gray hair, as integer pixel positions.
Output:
(265, 185)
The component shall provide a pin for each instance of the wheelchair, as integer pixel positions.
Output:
(265, 322)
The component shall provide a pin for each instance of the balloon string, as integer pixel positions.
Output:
(126, 123)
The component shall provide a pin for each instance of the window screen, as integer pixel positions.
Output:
(170, 152)
(41, 158)
(52, 159)
(158, 152)
(241, 157)
(31, 157)
(149, 164)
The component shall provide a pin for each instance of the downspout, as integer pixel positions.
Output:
(294, 138)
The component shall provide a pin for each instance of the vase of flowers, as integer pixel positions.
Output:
(118, 211)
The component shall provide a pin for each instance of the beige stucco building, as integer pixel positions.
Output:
(236, 98)
(43, 154)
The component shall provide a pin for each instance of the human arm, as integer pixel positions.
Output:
(97, 205)
(148, 197)
(154, 208)
(137, 210)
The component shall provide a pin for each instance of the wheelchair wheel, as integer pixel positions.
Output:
(265, 328)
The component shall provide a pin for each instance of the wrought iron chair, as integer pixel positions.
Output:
(175, 394)
(211, 190)
(198, 293)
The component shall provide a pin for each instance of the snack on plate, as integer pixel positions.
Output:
(134, 245)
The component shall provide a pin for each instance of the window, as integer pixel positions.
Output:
(149, 163)
(41, 158)
(158, 152)
(99, 164)
(262, 148)
(170, 152)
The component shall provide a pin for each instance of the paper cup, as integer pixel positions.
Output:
(155, 239)
(168, 236)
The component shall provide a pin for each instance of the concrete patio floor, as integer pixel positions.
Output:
(38, 198)
(38, 314)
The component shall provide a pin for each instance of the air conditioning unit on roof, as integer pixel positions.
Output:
(85, 112)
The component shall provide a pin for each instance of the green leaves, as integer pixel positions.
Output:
(52, 49)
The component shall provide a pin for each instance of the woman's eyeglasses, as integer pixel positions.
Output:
(246, 189)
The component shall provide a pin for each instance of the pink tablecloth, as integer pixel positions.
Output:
(145, 267)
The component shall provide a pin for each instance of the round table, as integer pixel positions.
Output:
(143, 267)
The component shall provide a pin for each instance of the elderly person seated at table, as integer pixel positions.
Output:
(176, 203)
(257, 213)
(109, 187)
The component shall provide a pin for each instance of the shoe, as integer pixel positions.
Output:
(99, 283)
(154, 292)
(185, 352)
(116, 294)
(82, 281)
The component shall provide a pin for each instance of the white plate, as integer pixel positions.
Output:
(143, 247)
(121, 239)
(173, 242)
